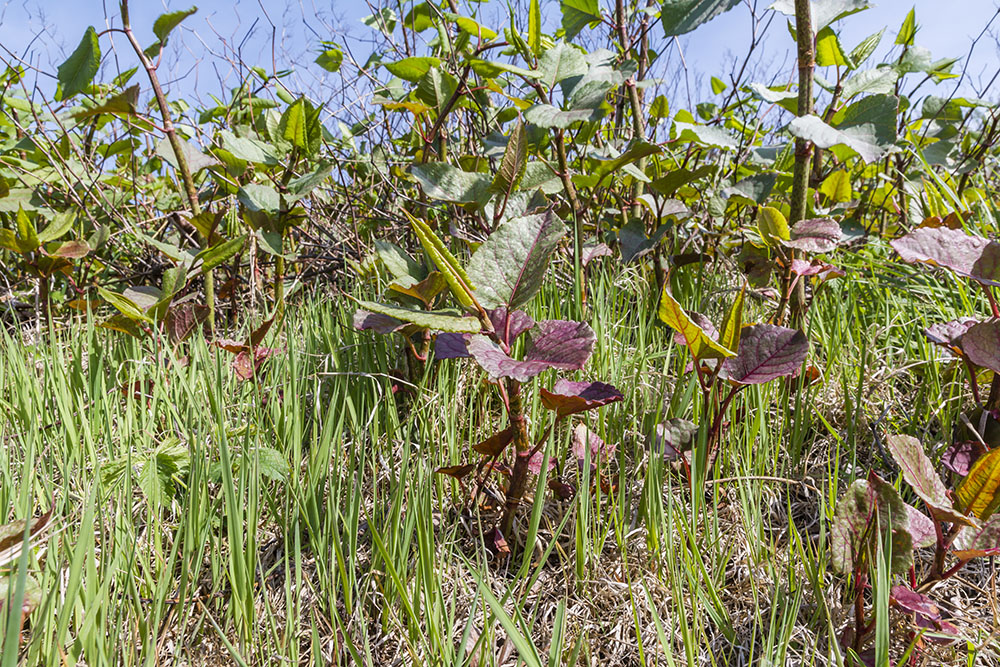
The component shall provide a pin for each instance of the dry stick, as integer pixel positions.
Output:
(175, 144)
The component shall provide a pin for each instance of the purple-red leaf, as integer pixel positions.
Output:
(960, 456)
(584, 439)
(766, 352)
(568, 397)
(451, 345)
(562, 344)
(921, 528)
(592, 252)
(383, 324)
(971, 256)
(458, 472)
(949, 334)
(815, 235)
(702, 322)
(495, 444)
(986, 538)
(981, 344)
(914, 602)
(510, 325)
(854, 535)
(919, 473)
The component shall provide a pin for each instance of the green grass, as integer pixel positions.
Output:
(298, 519)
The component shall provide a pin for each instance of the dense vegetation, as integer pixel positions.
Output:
(529, 365)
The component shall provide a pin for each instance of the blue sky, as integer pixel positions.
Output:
(44, 31)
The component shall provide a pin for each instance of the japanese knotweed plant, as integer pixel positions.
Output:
(503, 275)
(961, 525)
(726, 361)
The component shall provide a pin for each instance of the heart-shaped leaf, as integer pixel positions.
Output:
(961, 455)
(508, 268)
(949, 334)
(766, 352)
(568, 397)
(970, 256)
(495, 444)
(919, 473)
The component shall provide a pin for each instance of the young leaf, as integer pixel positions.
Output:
(496, 443)
(535, 28)
(508, 268)
(986, 538)
(919, 473)
(766, 352)
(441, 320)
(509, 326)
(698, 342)
(683, 16)
(577, 14)
(772, 225)
(125, 306)
(27, 237)
(568, 397)
(837, 186)
(908, 30)
(412, 69)
(383, 324)
(977, 494)
(949, 334)
(584, 439)
(79, 69)
(513, 163)
(733, 325)
(213, 256)
(458, 280)
(165, 23)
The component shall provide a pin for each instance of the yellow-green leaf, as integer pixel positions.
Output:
(458, 280)
(977, 494)
(837, 186)
(828, 51)
(699, 343)
(772, 225)
(731, 328)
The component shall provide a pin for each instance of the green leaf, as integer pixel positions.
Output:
(824, 12)
(257, 197)
(471, 27)
(561, 62)
(718, 85)
(513, 164)
(300, 126)
(868, 127)
(837, 186)
(828, 50)
(880, 81)
(196, 160)
(660, 108)
(548, 116)
(439, 320)
(509, 266)
(578, 14)
(125, 306)
(919, 473)
(701, 345)
(772, 225)
(331, 59)
(682, 16)
(27, 236)
(704, 135)
(306, 183)
(212, 256)
(78, 71)
(165, 23)
(61, 223)
(412, 69)
(442, 181)
(403, 268)
(535, 27)
(865, 513)
(866, 48)
(250, 149)
(908, 30)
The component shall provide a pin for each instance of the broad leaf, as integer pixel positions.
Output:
(556, 344)
(508, 268)
(981, 344)
(78, 71)
(672, 438)
(772, 225)
(867, 127)
(403, 268)
(868, 510)
(495, 444)
(213, 256)
(12, 536)
(568, 397)
(970, 256)
(561, 62)
(978, 493)
(412, 69)
(733, 324)
(509, 326)
(548, 116)
(365, 320)
(824, 12)
(682, 16)
(919, 473)
(577, 14)
(447, 183)
(820, 235)
(986, 538)
(451, 346)
(701, 345)
(441, 320)
(196, 160)
(766, 352)
(584, 440)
